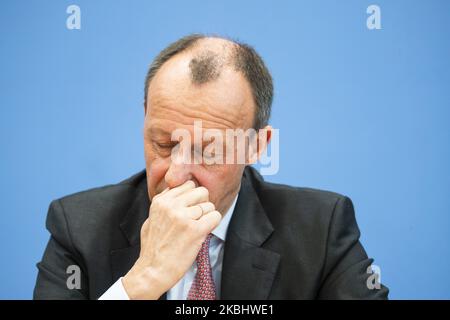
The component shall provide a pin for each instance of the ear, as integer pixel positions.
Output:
(263, 140)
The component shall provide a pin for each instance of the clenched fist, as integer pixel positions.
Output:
(178, 223)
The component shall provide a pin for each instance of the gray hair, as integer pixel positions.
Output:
(206, 67)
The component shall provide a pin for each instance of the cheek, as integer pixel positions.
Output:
(219, 181)
(205, 178)
(156, 170)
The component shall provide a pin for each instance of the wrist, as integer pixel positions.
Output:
(143, 284)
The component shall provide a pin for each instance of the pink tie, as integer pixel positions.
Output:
(203, 287)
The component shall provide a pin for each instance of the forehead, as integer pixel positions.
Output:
(175, 100)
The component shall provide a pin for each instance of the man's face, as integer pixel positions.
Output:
(174, 102)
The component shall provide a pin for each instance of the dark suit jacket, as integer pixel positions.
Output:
(282, 243)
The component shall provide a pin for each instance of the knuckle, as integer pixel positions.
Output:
(172, 214)
(212, 206)
(204, 191)
(217, 215)
(191, 184)
(161, 205)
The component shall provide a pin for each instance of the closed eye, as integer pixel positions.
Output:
(163, 148)
(166, 145)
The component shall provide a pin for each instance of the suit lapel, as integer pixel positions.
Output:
(248, 269)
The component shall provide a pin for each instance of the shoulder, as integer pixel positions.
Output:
(108, 195)
(286, 196)
(311, 221)
(299, 207)
(97, 207)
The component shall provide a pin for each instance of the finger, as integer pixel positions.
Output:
(196, 211)
(193, 197)
(174, 192)
(208, 222)
(207, 207)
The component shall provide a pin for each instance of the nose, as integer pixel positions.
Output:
(178, 173)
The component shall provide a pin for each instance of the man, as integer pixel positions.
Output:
(190, 230)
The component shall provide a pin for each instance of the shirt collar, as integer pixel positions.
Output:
(221, 230)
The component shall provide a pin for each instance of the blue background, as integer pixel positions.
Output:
(361, 112)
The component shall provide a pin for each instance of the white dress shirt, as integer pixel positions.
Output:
(181, 289)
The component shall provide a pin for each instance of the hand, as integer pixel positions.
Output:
(178, 223)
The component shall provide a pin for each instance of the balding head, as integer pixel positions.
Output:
(205, 67)
(208, 56)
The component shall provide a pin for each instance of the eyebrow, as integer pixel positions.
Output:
(158, 130)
